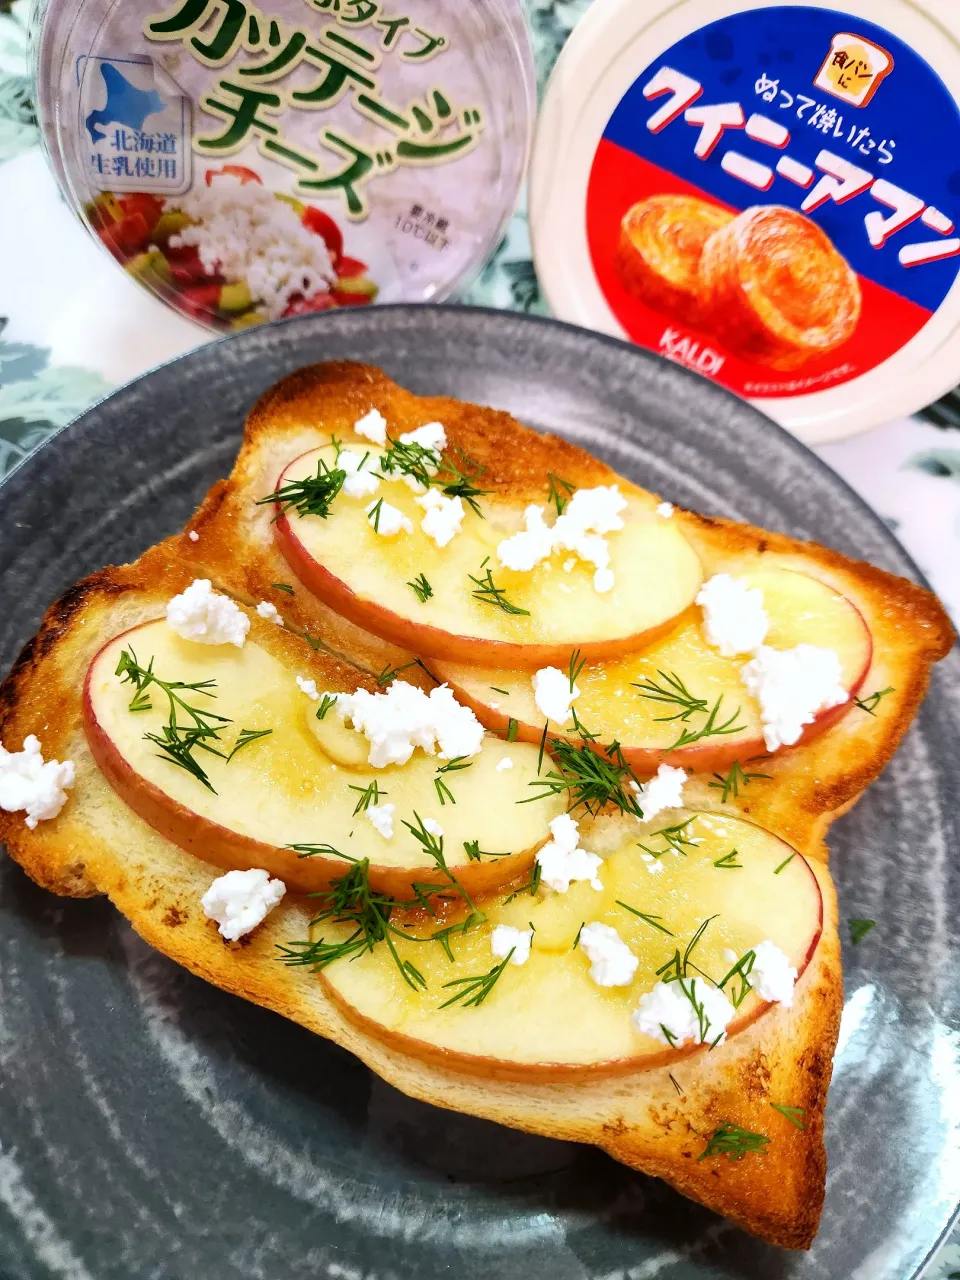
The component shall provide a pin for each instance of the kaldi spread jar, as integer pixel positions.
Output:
(767, 194)
(249, 162)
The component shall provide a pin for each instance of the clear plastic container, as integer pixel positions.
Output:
(248, 163)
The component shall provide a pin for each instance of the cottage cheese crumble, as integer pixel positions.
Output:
(32, 784)
(201, 614)
(773, 977)
(562, 862)
(443, 517)
(505, 939)
(403, 718)
(240, 900)
(664, 791)
(372, 426)
(792, 686)
(553, 695)
(381, 816)
(389, 519)
(245, 234)
(430, 436)
(734, 619)
(613, 963)
(269, 612)
(359, 482)
(588, 515)
(667, 1015)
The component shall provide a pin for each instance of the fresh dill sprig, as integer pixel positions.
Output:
(734, 780)
(870, 703)
(317, 851)
(677, 970)
(674, 838)
(177, 742)
(574, 667)
(676, 1086)
(653, 921)
(576, 941)
(530, 885)
(591, 779)
(433, 847)
(389, 673)
(859, 930)
(742, 970)
(487, 592)
(246, 737)
(474, 990)
(368, 795)
(429, 467)
(733, 1142)
(351, 901)
(457, 482)
(410, 459)
(560, 492)
(310, 496)
(729, 861)
(674, 693)
(452, 766)
(710, 727)
(421, 588)
(793, 1114)
(513, 727)
(444, 935)
(328, 701)
(475, 853)
(373, 514)
(283, 586)
(505, 692)
(785, 863)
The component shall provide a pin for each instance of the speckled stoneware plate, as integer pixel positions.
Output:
(152, 1126)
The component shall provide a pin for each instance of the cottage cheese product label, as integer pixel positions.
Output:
(771, 203)
(252, 162)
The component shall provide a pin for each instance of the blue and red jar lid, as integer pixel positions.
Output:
(768, 194)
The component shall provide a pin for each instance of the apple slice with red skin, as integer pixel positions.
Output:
(547, 1020)
(296, 785)
(801, 609)
(365, 577)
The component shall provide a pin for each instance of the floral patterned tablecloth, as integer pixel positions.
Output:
(72, 327)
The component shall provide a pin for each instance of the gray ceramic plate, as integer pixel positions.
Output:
(154, 1127)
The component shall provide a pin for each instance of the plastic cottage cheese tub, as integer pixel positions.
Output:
(768, 194)
(248, 163)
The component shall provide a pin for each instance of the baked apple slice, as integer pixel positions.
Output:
(619, 700)
(282, 778)
(695, 932)
(365, 562)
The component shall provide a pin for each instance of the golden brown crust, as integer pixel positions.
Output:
(97, 845)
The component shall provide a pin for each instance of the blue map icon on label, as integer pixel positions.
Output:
(134, 126)
(126, 104)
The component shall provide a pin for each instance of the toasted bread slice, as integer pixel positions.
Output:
(654, 1120)
(807, 786)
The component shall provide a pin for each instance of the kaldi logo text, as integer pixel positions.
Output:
(689, 351)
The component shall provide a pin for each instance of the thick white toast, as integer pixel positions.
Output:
(98, 845)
